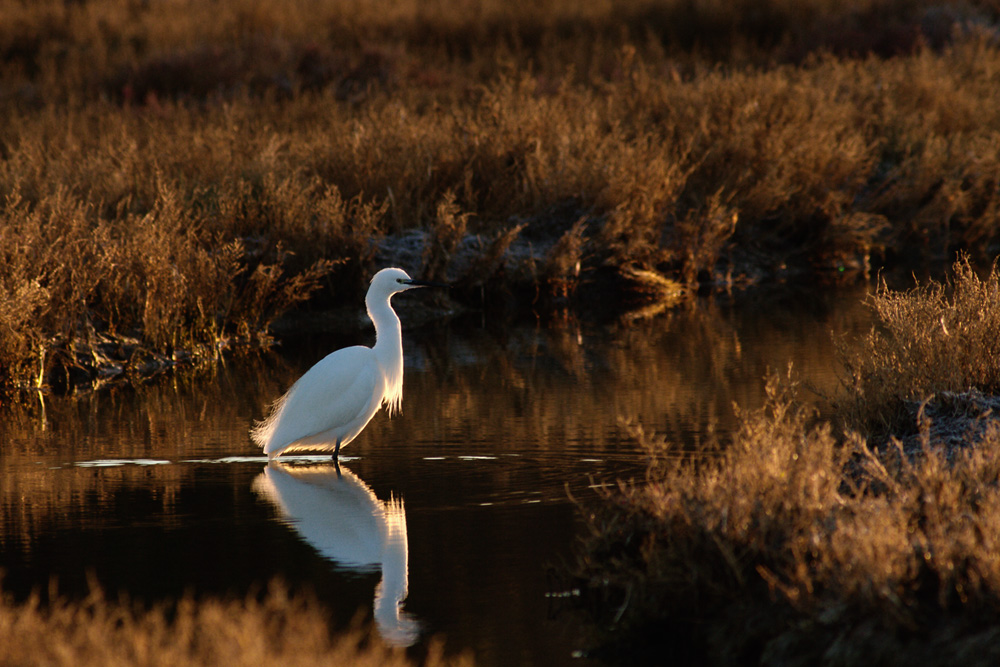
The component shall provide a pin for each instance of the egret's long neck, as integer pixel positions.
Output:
(388, 349)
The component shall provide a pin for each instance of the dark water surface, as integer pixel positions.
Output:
(460, 504)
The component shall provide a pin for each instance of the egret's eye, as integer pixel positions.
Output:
(399, 280)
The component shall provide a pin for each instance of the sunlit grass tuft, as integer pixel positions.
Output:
(936, 338)
(276, 629)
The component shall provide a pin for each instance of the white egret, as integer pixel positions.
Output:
(335, 399)
(341, 517)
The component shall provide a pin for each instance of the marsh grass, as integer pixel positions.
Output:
(800, 543)
(938, 338)
(278, 628)
(150, 151)
(79, 291)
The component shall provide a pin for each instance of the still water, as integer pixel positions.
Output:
(448, 520)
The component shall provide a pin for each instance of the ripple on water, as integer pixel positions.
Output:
(111, 463)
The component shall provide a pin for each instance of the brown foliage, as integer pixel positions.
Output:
(277, 629)
(162, 148)
(774, 551)
(797, 544)
(934, 338)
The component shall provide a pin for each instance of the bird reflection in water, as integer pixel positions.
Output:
(340, 516)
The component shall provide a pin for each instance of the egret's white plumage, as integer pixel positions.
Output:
(331, 404)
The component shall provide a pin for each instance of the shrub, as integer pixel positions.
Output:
(797, 543)
(934, 338)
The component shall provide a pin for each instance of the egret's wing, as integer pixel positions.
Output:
(333, 394)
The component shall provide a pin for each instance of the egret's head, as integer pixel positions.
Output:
(392, 280)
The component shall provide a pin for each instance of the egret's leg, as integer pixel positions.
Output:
(336, 457)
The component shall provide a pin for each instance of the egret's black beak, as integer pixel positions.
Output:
(424, 283)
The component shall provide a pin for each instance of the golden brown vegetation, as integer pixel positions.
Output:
(277, 629)
(799, 544)
(173, 174)
(935, 339)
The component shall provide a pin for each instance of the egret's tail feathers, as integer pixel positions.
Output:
(263, 431)
(260, 433)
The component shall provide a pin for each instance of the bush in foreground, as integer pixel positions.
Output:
(934, 339)
(276, 630)
(797, 544)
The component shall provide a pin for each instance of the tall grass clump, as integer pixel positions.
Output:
(938, 338)
(278, 628)
(800, 543)
(86, 296)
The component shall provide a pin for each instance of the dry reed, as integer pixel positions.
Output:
(276, 629)
(801, 545)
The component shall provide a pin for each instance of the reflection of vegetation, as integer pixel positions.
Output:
(556, 389)
(169, 421)
(802, 545)
(566, 386)
(176, 175)
(277, 629)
